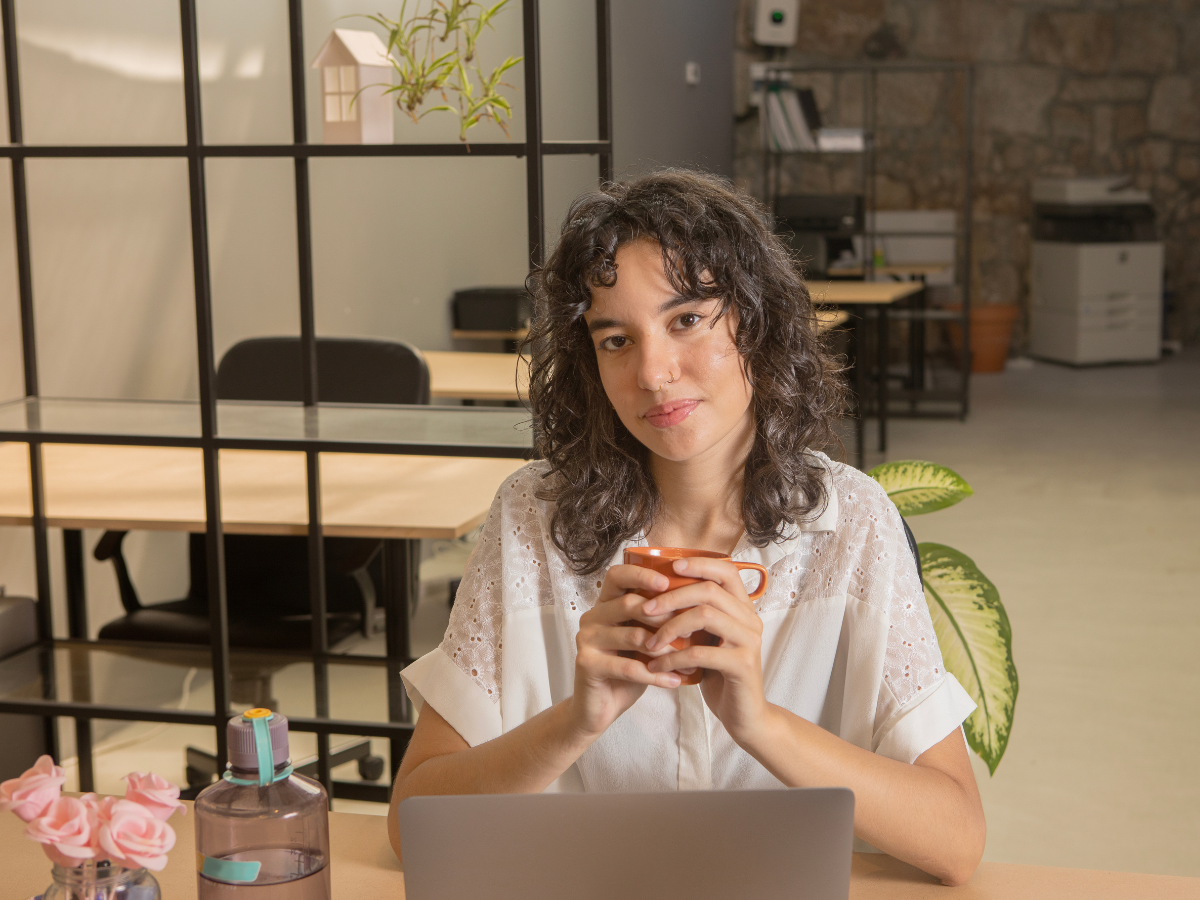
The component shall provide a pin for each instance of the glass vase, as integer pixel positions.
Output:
(92, 881)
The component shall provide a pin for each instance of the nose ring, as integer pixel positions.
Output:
(668, 381)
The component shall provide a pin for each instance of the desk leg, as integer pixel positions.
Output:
(80, 661)
(916, 342)
(401, 590)
(856, 358)
(882, 325)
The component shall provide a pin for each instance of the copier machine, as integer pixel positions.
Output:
(1097, 281)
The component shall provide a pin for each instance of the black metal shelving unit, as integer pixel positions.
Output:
(214, 426)
(914, 396)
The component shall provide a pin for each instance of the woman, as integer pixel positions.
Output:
(679, 392)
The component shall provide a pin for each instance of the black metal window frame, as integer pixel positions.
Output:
(534, 149)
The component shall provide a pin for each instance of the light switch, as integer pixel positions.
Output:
(691, 73)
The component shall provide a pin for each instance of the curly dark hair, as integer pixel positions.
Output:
(717, 243)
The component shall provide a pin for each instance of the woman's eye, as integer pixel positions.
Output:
(616, 342)
(687, 320)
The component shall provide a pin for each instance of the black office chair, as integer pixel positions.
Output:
(267, 576)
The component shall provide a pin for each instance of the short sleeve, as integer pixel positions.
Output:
(462, 678)
(919, 702)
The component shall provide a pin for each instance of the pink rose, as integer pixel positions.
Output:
(31, 795)
(155, 793)
(66, 831)
(131, 835)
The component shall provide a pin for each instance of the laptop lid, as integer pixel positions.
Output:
(693, 845)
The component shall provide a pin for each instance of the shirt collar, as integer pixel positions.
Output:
(826, 520)
(767, 556)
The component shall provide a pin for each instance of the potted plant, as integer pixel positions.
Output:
(970, 621)
(434, 52)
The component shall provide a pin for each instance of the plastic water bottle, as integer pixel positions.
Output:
(262, 832)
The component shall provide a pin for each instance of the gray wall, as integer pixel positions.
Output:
(660, 120)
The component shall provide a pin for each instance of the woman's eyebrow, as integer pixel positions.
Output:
(600, 324)
(669, 305)
(666, 306)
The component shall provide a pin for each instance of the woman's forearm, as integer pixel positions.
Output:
(917, 813)
(524, 760)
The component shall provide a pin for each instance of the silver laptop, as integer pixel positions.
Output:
(694, 845)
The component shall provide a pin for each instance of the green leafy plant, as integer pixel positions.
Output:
(969, 619)
(433, 51)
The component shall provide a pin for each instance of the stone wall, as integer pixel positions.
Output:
(1063, 88)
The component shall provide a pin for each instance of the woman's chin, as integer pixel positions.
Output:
(678, 448)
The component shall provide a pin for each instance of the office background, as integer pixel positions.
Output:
(1064, 89)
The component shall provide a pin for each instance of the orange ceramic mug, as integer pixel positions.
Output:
(662, 560)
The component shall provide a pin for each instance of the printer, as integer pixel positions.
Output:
(821, 228)
(1096, 284)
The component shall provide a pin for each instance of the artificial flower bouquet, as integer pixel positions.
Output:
(131, 832)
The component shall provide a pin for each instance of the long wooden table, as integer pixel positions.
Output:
(363, 865)
(262, 492)
(394, 497)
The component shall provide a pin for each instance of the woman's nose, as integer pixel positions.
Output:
(656, 365)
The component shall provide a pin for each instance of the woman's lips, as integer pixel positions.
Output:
(671, 413)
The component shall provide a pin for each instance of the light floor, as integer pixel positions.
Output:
(1087, 518)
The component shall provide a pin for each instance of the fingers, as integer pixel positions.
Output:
(704, 593)
(623, 579)
(604, 666)
(737, 632)
(718, 659)
(618, 637)
(621, 609)
(724, 575)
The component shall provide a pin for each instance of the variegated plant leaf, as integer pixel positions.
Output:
(976, 642)
(917, 487)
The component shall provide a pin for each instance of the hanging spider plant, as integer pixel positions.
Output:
(432, 53)
(969, 619)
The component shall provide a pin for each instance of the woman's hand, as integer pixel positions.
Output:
(607, 683)
(733, 685)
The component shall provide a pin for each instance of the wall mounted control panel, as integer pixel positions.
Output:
(776, 22)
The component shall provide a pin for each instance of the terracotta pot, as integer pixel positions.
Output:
(991, 335)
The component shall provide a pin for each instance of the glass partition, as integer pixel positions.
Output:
(447, 430)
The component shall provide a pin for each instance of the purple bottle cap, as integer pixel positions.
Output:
(240, 732)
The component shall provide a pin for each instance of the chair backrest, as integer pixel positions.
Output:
(491, 308)
(267, 576)
(349, 370)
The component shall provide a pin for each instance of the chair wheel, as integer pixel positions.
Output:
(370, 768)
(197, 778)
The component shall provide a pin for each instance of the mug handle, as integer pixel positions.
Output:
(762, 577)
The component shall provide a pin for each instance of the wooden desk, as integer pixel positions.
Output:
(262, 492)
(477, 376)
(363, 866)
(829, 319)
(400, 498)
(860, 295)
(896, 270)
(468, 334)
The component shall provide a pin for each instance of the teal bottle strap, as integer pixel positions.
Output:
(262, 746)
(229, 776)
(265, 753)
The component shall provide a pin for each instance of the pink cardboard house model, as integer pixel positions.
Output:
(354, 74)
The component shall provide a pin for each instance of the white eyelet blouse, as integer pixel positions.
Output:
(847, 643)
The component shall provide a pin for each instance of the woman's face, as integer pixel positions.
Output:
(669, 366)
